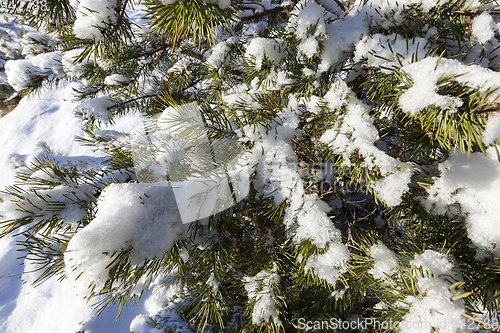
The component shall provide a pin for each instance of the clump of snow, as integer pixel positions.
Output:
(252, 8)
(181, 67)
(166, 288)
(492, 130)
(384, 261)
(35, 43)
(395, 7)
(260, 289)
(66, 200)
(144, 324)
(22, 72)
(254, 29)
(314, 223)
(311, 22)
(213, 283)
(304, 16)
(339, 294)
(483, 27)
(425, 75)
(265, 48)
(10, 48)
(276, 169)
(97, 108)
(314, 104)
(388, 51)
(282, 79)
(220, 52)
(278, 177)
(472, 188)
(330, 265)
(343, 34)
(330, 5)
(356, 132)
(68, 62)
(309, 47)
(116, 79)
(423, 92)
(338, 94)
(434, 308)
(10, 40)
(435, 262)
(391, 188)
(93, 16)
(164, 313)
(141, 218)
(45, 202)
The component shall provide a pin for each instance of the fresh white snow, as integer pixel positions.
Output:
(49, 118)
(147, 219)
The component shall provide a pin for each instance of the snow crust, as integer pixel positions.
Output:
(47, 118)
(54, 307)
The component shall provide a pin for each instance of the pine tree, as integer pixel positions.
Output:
(304, 163)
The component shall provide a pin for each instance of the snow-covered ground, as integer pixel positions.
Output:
(53, 306)
(48, 120)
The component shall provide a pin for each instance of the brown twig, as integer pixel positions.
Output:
(176, 32)
(491, 103)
